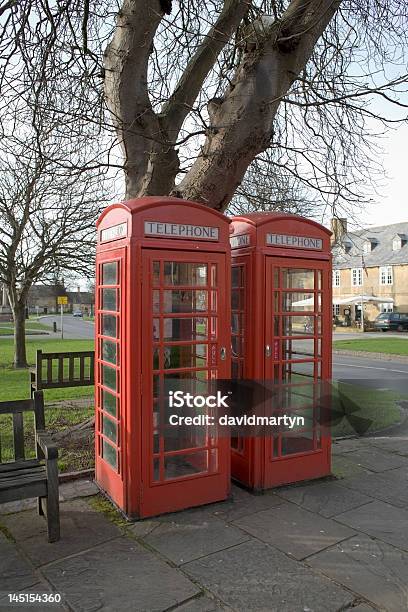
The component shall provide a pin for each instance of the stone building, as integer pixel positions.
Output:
(369, 266)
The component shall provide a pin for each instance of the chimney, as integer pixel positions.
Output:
(339, 229)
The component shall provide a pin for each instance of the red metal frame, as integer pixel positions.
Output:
(260, 463)
(122, 236)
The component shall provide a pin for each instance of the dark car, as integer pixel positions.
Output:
(397, 321)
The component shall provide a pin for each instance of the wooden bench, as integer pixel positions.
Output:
(57, 370)
(24, 478)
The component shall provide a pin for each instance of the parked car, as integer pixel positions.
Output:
(397, 321)
(77, 313)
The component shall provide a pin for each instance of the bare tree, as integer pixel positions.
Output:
(266, 187)
(47, 220)
(196, 91)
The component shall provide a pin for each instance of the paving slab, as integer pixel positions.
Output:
(256, 577)
(377, 460)
(348, 445)
(81, 528)
(391, 487)
(377, 571)
(192, 534)
(342, 467)
(119, 575)
(325, 498)
(379, 520)
(202, 604)
(15, 572)
(243, 503)
(395, 445)
(295, 531)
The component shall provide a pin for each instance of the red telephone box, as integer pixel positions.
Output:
(282, 332)
(162, 311)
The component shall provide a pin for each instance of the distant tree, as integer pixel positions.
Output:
(47, 223)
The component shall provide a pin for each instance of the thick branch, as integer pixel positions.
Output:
(242, 125)
(179, 105)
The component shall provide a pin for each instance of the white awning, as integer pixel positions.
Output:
(352, 299)
(357, 299)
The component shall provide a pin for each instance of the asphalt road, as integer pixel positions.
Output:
(365, 371)
(75, 328)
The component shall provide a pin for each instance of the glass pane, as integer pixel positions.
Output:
(297, 349)
(109, 429)
(185, 356)
(110, 273)
(109, 351)
(297, 278)
(236, 346)
(235, 326)
(296, 372)
(156, 272)
(109, 454)
(185, 329)
(109, 301)
(298, 302)
(184, 465)
(109, 377)
(109, 325)
(156, 469)
(235, 299)
(156, 301)
(181, 273)
(156, 361)
(298, 325)
(236, 274)
(184, 301)
(297, 444)
(109, 403)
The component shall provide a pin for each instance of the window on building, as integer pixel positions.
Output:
(357, 277)
(336, 278)
(386, 307)
(336, 310)
(386, 275)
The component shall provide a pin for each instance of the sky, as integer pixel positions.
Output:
(392, 203)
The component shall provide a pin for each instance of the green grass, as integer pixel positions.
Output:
(360, 410)
(7, 329)
(14, 384)
(390, 346)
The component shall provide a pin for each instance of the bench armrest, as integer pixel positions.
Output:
(48, 447)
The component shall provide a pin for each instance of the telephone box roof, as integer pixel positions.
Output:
(137, 205)
(260, 218)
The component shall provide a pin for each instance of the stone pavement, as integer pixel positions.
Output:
(330, 545)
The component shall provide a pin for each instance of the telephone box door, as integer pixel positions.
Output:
(187, 338)
(298, 358)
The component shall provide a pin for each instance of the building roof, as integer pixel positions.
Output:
(382, 253)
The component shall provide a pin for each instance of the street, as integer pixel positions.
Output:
(75, 328)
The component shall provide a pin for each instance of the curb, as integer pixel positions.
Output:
(382, 356)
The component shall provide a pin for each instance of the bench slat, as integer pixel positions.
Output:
(14, 474)
(18, 465)
(32, 489)
(18, 435)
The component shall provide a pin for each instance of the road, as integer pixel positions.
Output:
(364, 371)
(75, 328)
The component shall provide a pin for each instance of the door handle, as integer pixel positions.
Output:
(268, 350)
(223, 353)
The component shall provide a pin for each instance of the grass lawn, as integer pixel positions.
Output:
(390, 346)
(360, 410)
(14, 384)
(63, 407)
(7, 329)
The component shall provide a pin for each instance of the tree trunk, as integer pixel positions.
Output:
(20, 355)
